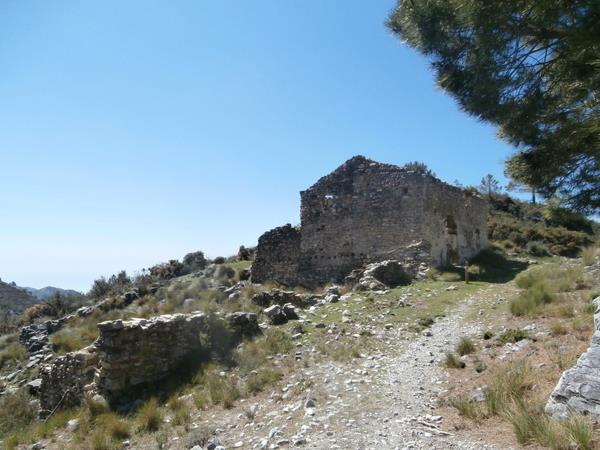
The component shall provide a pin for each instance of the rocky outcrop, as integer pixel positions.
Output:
(279, 297)
(382, 275)
(279, 315)
(578, 390)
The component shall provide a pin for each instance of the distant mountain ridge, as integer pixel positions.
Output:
(46, 292)
(14, 300)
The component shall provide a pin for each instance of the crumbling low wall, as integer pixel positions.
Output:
(578, 390)
(63, 381)
(144, 350)
(277, 256)
(130, 353)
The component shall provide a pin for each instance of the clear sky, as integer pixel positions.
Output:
(132, 132)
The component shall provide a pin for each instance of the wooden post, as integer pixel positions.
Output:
(467, 272)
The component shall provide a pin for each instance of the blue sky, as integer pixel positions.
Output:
(134, 132)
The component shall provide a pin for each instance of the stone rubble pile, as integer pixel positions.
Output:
(279, 315)
(279, 297)
(382, 275)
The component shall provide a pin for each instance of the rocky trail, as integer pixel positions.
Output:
(386, 399)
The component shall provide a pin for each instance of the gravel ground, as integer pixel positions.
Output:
(384, 400)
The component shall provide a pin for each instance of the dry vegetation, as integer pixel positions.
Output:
(554, 305)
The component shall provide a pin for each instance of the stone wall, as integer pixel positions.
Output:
(277, 256)
(130, 353)
(63, 381)
(144, 350)
(578, 390)
(367, 212)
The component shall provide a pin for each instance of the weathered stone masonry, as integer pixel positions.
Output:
(145, 350)
(130, 353)
(366, 212)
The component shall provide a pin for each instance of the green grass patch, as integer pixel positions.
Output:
(12, 353)
(465, 346)
(453, 362)
(512, 336)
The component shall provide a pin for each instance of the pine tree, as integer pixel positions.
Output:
(489, 186)
(532, 69)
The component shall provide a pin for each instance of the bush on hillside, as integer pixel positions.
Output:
(556, 216)
(35, 312)
(557, 240)
(16, 412)
(194, 261)
(113, 285)
(168, 270)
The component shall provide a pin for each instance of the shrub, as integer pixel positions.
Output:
(562, 217)
(149, 416)
(453, 362)
(567, 311)
(223, 391)
(275, 341)
(512, 336)
(168, 270)
(96, 408)
(557, 329)
(101, 441)
(258, 380)
(194, 261)
(537, 248)
(100, 288)
(13, 352)
(588, 255)
(113, 426)
(35, 312)
(465, 346)
(531, 425)
(338, 352)
(528, 303)
(219, 260)
(480, 366)
(216, 387)
(425, 322)
(200, 436)
(507, 385)
(56, 421)
(250, 356)
(181, 411)
(70, 339)
(581, 432)
(558, 240)
(466, 407)
(224, 272)
(201, 398)
(16, 412)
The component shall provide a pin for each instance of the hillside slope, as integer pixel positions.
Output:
(13, 301)
(46, 292)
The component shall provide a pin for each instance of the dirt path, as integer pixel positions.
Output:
(394, 410)
(384, 400)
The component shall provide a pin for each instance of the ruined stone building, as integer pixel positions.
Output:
(364, 212)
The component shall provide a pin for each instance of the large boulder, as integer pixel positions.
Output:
(276, 315)
(279, 315)
(578, 390)
(244, 323)
(279, 297)
(391, 273)
(380, 276)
